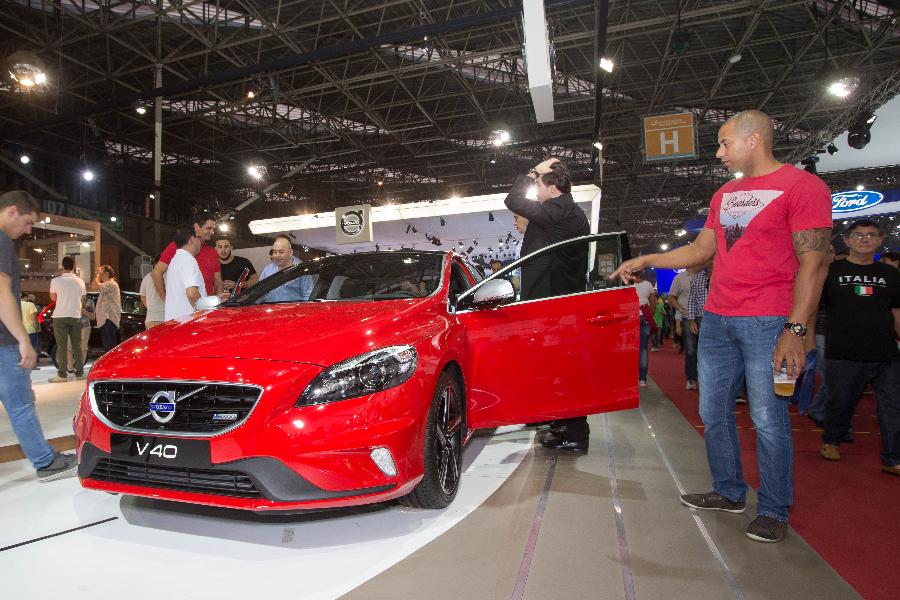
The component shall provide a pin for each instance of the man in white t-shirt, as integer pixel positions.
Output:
(68, 291)
(646, 296)
(156, 306)
(183, 278)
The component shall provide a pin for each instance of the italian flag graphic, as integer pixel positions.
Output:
(862, 290)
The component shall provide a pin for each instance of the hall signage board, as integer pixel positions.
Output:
(668, 137)
(353, 224)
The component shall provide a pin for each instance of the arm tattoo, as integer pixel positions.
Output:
(816, 240)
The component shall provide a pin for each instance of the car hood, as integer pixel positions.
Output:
(320, 333)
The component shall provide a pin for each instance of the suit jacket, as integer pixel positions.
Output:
(552, 221)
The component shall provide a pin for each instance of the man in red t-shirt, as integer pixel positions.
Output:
(208, 259)
(769, 231)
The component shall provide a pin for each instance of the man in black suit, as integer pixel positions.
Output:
(553, 218)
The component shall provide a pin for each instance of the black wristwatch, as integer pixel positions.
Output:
(798, 329)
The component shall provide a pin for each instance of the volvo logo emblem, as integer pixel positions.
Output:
(352, 222)
(162, 406)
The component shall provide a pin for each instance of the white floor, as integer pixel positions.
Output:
(154, 549)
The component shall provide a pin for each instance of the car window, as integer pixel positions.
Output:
(365, 276)
(131, 305)
(571, 267)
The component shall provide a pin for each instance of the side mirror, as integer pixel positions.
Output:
(493, 293)
(207, 302)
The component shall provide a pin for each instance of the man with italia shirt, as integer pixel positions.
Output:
(862, 304)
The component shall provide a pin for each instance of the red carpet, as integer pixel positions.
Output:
(846, 510)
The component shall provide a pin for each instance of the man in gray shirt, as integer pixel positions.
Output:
(18, 212)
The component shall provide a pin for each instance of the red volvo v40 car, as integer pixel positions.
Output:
(365, 391)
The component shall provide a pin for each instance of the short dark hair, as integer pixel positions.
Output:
(24, 202)
(558, 176)
(499, 262)
(222, 237)
(68, 263)
(891, 255)
(109, 270)
(202, 216)
(864, 223)
(271, 251)
(183, 235)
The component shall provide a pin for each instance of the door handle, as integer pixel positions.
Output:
(606, 318)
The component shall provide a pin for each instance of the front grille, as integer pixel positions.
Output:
(217, 407)
(183, 479)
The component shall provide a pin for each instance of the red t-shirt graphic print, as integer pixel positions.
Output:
(754, 219)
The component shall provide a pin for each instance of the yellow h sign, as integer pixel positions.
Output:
(670, 136)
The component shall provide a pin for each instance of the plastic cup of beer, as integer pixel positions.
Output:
(784, 383)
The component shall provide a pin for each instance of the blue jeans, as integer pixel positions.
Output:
(689, 340)
(816, 408)
(732, 349)
(643, 360)
(18, 400)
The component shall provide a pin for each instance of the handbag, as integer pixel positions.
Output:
(647, 315)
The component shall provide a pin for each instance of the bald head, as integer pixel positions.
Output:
(748, 122)
(282, 253)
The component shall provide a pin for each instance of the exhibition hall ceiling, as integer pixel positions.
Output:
(343, 102)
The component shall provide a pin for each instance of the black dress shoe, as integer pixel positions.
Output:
(563, 444)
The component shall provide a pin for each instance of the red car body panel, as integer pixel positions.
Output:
(519, 363)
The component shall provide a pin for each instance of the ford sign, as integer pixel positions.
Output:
(852, 201)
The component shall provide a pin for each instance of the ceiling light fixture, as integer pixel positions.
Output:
(140, 109)
(598, 145)
(843, 86)
(113, 219)
(735, 58)
(606, 65)
(831, 148)
(255, 171)
(24, 159)
(27, 72)
(859, 134)
(251, 94)
(860, 187)
(663, 247)
(87, 175)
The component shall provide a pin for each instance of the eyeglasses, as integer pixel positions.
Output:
(872, 235)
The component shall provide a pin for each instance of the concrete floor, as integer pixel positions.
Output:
(527, 523)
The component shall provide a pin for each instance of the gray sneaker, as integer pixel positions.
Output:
(766, 529)
(63, 465)
(712, 501)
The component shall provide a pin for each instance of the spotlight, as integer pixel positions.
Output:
(831, 149)
(493, 159)
(380, 182)
(255, 171)
(113, 219)
(598, 145)
(87, 175)
(859, 134)
(860, 187)
(223, 226)
(663, 247)
(809, 164)
(844, 86)
(251, 94)
(140, 109)
(24, 159)
(490, 216)
(443, 222)
(606, 65)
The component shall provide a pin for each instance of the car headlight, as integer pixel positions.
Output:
(361, 375)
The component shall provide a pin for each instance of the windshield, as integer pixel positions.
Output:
(370, 276)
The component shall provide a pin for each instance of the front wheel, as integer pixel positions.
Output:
(443, 447)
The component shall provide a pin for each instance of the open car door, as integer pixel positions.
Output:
(565, 346)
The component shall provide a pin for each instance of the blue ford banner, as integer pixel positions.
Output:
(852, 201)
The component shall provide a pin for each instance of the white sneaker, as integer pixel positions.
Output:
(690, 385)
(642, 383)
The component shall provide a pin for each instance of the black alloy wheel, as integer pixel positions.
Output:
(444, 436)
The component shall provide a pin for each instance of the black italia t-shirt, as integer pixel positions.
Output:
(232, 271)
(859, 300)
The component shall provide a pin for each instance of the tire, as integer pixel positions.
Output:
(444, 435)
